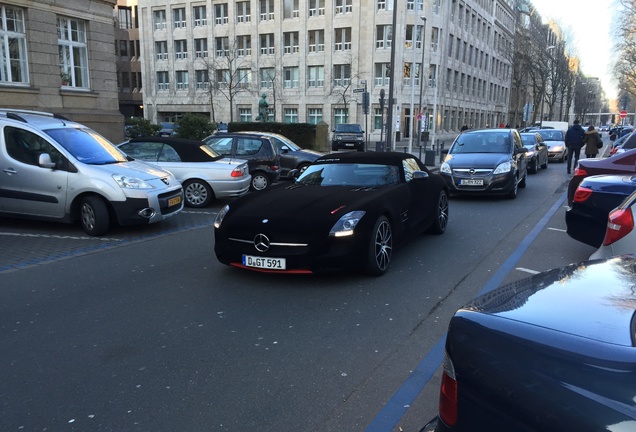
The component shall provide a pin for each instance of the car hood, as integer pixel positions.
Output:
(134, 168)
(594, 300)
(301, 207)
(554, 143)
(477, 160)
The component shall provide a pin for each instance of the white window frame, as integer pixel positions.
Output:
(159, 19)
(161, 50)
(315, 76)
(73, 51)
(15, 66)
(180, 49)
(163, 80)
(182, 79)
(220, 14)
(199, 13)
(200, 51)
(179, 18)
(291, 77)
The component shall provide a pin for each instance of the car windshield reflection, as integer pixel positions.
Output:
(551, 135)
(87, 146)
(359, 175)
(481, 143)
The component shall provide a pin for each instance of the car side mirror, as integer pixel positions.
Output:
(420, 175)
(284, 149)
(44, 160)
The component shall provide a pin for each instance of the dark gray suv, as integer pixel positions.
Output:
(348, 136)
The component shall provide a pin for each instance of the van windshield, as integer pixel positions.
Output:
(87, 146)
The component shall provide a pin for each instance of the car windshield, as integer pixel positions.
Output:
(482, 143)
(360, 175)
(528, 140)
(551, 135)
(348, 128)
(87, 146)
(280, 144)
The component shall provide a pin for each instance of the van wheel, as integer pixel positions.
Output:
(94, 216)
(197, 193)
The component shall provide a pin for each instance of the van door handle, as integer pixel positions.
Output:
(10, 171)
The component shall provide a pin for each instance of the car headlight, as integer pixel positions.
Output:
(221, 215)
(530, 153)
(346, 224)
(556, 148)
(503, 168)
(445, 168)
(126, 182)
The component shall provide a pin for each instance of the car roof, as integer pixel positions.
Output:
(187, 149)
(37, 119)
(385, 158)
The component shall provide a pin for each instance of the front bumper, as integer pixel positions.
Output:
(491, 183)
(156, 205)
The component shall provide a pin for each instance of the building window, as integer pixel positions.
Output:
(179, 18)
(220, 13)
(316, 8)
(73, 51)
(161, 50)
(343, 6)
(244, 77)
(290, 9)
(124, 17)
(343, 39)
(243, 14)
(290, 115)
(383, 36)
(244, 45)
(267, 77)
(123, 49)
(222, 46)
(290, 77)
(314, 115)
(340, 115)
(201, 48)
(159, 19)
(382, 74)
(202, 78)
(377, 119)
(163, 83)
(415, 4)
(290, 42)
(199, 14)
(182, 80)
(267, 43)
(316, 41)
(180, 49)
(266, 10)
(315, 76)
(222, 77)
(342, 74)
(14, 67)
(245, 115)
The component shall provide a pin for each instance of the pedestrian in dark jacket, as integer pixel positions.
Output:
(591, 141)
(574, 141)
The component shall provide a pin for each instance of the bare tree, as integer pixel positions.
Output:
(625, 46)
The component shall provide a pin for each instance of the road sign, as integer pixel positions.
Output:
(623, 114)
(358, 90)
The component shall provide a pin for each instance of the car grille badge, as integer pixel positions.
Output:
(261, 243)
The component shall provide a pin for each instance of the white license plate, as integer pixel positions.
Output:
(264, 263)
(349, 145)
(471, 182)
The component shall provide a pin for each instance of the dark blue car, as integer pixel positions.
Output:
(593, 200)
(553, 352)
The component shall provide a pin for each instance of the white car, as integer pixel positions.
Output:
(52, 168)
(620, 236)
(204, 174)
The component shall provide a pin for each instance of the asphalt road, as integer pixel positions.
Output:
(145, 331)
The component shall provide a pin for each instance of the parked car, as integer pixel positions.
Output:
(348, 136)
(291, 155)
(553, 352)
(56, 169)
(555, 140)
(345, 212)
(617, 146)
(168, 129)
(620, 236)
(628, 142)
(204, 174)
(594, 199)
(486, 161)
(624, 163)
(258, 149)
(537, 154)
(619, 131)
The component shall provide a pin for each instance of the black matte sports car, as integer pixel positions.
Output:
(553, 352)
(345, 211)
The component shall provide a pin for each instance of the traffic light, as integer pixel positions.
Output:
(365, 102)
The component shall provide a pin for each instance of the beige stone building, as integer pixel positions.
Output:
(61, 60)
(313, 59)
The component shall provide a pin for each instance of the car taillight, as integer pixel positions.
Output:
(237, 172)
(619, 223)
(580, 172)
(448, 394)
(581, 194)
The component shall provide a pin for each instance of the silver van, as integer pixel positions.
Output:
(55, 169)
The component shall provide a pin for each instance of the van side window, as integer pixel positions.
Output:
(26, 147)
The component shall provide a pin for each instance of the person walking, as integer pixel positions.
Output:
(574, 142)
(591, 140)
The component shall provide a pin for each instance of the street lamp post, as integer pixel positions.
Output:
(419, 123)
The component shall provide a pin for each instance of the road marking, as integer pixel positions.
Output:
(523, 269)
(558, 229)
(9, 234)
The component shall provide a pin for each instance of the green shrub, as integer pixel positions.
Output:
(195, 126)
